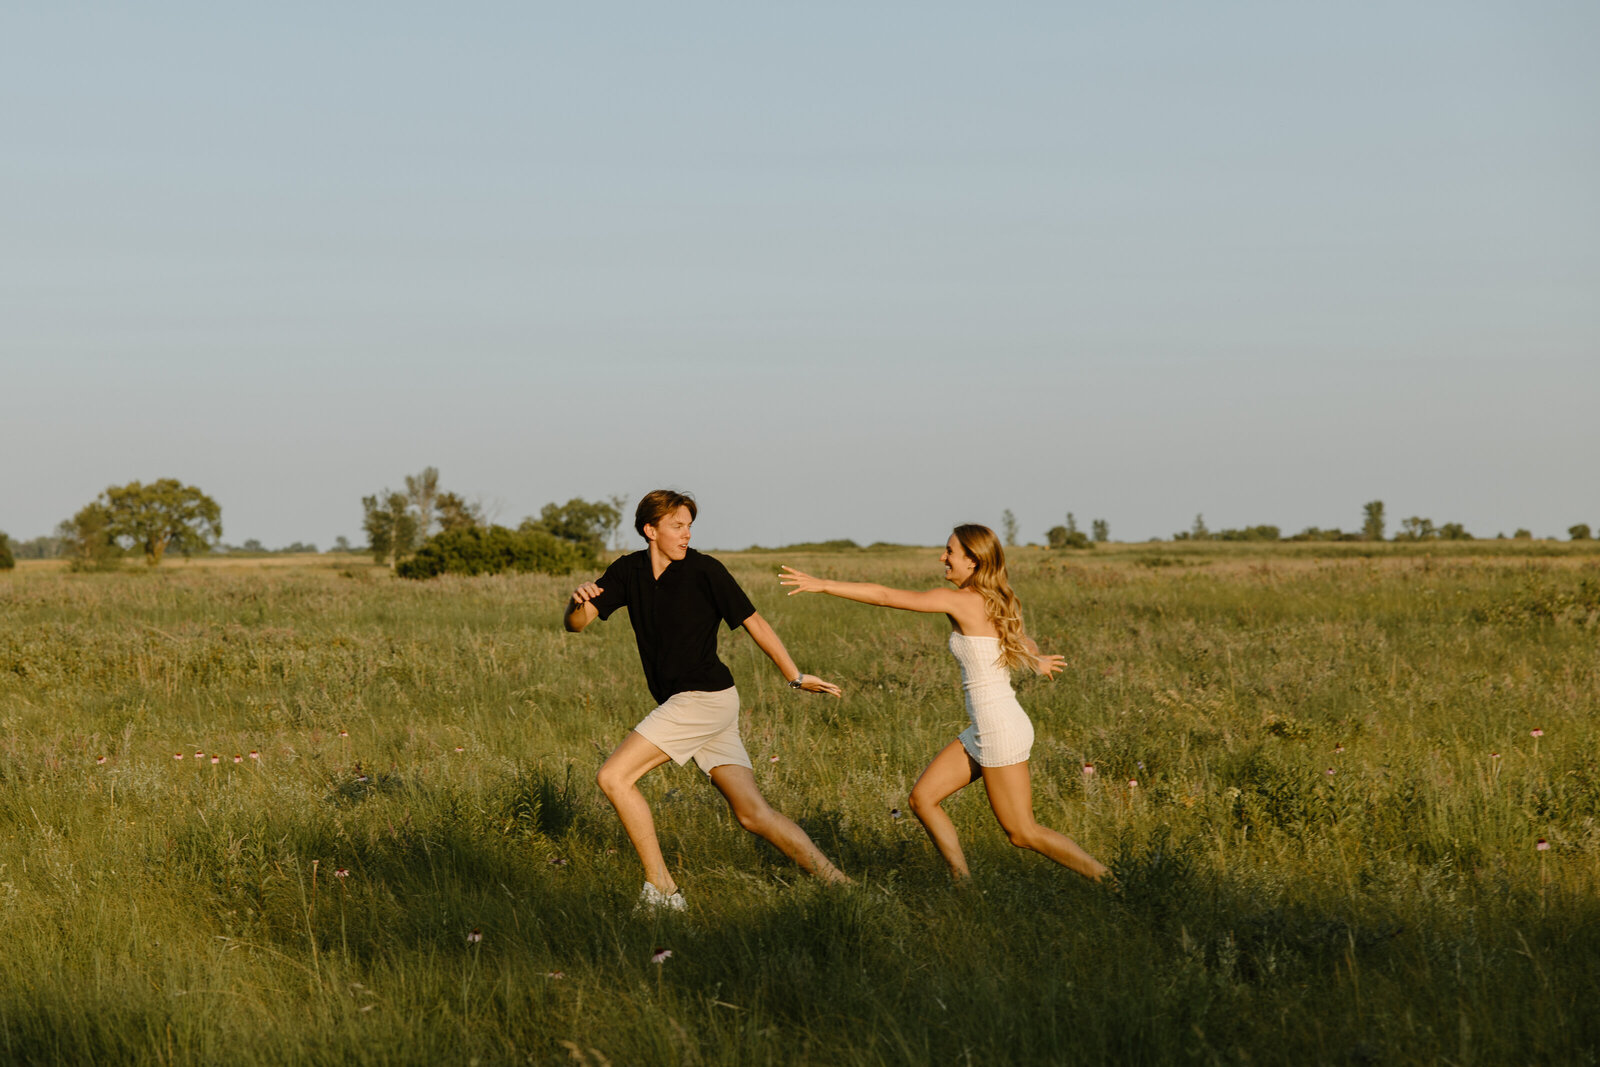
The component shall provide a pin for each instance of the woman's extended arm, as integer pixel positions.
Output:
(1047, 665)
(942, 601)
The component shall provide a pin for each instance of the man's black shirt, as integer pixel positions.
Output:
(675, 618)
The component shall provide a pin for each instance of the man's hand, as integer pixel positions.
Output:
(812, 684)
(580, 612)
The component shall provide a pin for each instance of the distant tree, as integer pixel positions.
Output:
(340, 544)
(87, 536)
(619, 528)
(1072, 524)
(7, 561)
(1454, 531)
(252, 545)
(1251, 533)
(49, 546)
(1198, 531)
(1008, 524)
(1102, 530)
(456, 514)
(1313, 533)
(166, 514)
(1066, 537)
(296, 548)
(583, 522)
(1416, 528)
(1372, 527)
(1523, 535)
(1579, 532)
(422, 491)
(391, 526)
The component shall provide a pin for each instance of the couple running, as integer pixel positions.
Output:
(675, 597)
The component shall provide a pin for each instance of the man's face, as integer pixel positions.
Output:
(670, 536)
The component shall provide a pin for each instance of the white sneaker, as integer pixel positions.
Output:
(653, 899)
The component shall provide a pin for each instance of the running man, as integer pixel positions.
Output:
(675, 597)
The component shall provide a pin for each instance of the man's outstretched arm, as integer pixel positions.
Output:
(766, 639)
(580, 612)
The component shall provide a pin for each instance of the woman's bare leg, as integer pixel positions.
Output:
(1011, 797)
(951, 771)
(618, 778)
(738, 785)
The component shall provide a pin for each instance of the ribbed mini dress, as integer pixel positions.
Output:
(1001, 733)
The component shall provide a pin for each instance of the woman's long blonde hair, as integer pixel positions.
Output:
(999, 602)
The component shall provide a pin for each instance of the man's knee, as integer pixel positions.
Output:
(612, 780)
(757, 818)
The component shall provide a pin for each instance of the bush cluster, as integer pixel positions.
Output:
(495, 549)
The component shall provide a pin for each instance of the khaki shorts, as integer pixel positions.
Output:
(701, 726)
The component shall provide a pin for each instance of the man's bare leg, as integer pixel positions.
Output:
(618, 778)
(738, 785)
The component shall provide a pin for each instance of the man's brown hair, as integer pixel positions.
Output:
(658, 504)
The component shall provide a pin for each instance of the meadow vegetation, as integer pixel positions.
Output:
(1320, 772)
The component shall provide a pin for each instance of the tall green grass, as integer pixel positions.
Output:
(1329, 854)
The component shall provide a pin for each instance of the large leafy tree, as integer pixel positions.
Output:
(7, 562)
(588, 523)
(165, 514)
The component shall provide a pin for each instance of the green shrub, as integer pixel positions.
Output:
(1062, 537)
(1579, 532)
(494, 549)
(6, 561)
(1251, 533)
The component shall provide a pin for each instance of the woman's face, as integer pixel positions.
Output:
(958, 566)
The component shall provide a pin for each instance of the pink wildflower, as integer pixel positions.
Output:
(1535, 732)
(1542, 845)
(661, 955)
(1088, 768)
(474, 937)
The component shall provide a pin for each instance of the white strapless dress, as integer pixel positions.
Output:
(1001, 733)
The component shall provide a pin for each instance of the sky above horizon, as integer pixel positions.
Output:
(840, 270)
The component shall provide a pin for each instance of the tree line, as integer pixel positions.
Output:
(425, 531)
(1373, 528)
(418, 533)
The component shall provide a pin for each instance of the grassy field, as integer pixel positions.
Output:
(1329, 855)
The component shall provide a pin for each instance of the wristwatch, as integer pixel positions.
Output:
(794, 683)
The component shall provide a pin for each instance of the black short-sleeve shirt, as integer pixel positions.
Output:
(675, 618)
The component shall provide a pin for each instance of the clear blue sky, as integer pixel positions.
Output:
(841, 270)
